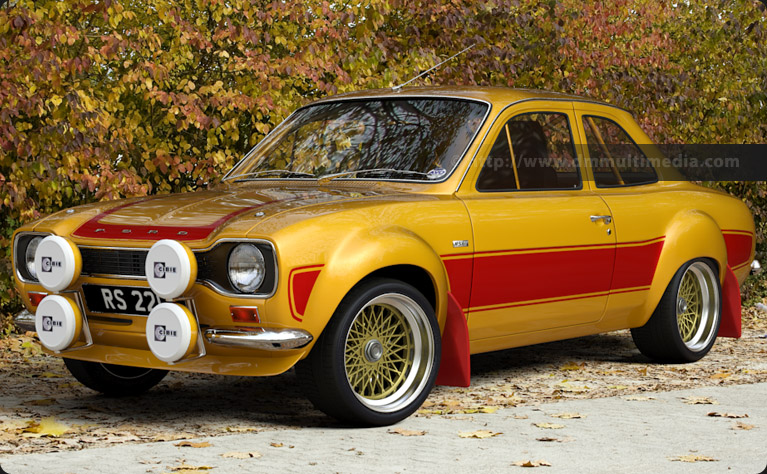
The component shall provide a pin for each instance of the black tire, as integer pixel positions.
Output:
(672, 333)
(343, 374)
(114, 380)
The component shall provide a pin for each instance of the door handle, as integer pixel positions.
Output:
(607, 219)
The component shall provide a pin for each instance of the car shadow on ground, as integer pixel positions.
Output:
(184, 401)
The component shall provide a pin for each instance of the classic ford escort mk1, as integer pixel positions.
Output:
(377, 239)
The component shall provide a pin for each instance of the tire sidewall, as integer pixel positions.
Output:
(336, 334)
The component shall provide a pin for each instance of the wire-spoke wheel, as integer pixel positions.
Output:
(378, 358)
(697, 306)
(683, 327)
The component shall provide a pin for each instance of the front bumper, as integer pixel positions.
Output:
(260, 338)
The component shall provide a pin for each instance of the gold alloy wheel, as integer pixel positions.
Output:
(389, 352)
(697, 306)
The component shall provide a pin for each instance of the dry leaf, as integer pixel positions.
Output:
(549, 439)
(405, 432)
(46, 427)
(617, 387)
(519, 417)
(693, 458)
(700, 401)
(549, 426)
(238, 455)
(727, 415)
(720, 375)
(742, 426)
(276, 445)
(568, 416)
(241, 429)
(638, 398)
(572, 366)
(528, 463)
(479, 434)
(188, 468)
(43, 402)
(189, 444)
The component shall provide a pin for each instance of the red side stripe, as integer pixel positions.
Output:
(508, 279)
(635, 266)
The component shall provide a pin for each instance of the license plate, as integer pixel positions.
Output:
(120, 299)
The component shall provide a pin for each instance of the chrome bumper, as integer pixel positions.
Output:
(25, 321)
(259, 338)
(756, 268)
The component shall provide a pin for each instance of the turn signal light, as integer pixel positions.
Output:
(244, 314)
(35, 298)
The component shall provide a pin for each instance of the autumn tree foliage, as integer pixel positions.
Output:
(106, 99)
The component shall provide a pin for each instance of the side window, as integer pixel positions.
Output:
(615, 159)
(532, 151)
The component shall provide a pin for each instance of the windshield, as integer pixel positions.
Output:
(408, 138)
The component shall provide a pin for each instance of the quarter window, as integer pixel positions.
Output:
(532, 151)
(615, 159)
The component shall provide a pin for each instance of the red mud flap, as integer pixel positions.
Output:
(455, 367)
(731, 318)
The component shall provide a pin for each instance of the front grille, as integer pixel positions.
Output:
(211, 265)
(128, 263)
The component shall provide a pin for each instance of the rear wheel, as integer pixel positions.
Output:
(378, 358)
(114, 380)
(683, 327)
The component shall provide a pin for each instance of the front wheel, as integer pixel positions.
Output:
(377, 360)
(683, 327)
(114, 380)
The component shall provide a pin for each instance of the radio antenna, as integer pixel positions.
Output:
(397, 88)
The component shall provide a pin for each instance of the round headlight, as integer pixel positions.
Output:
(29, 256)
(246, 268)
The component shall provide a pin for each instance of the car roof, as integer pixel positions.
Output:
(493, 95)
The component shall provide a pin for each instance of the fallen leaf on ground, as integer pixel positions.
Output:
(572, 366)
(638, 398)
(406, 432)
(276, 445)
(46, 427)
(520, 417)
(238, 455)
(189, 444)
(720, 375)
(693, 458)
(617, 387)
(547, 439)
(479, 434)
(241, 429)
(727, 415)
(700, 401)
(549, 426)
(40, 403)
(568, 416)
(742, 426)
(528, 463)
(188, 468)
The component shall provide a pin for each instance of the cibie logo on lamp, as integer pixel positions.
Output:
(48, 263)
(160, 269)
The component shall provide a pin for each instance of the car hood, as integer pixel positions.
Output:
(195, 217)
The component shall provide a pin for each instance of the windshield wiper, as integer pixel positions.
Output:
(283, 173)
(330, 177)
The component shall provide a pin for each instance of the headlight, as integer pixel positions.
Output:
(29, 256)
(246, 268)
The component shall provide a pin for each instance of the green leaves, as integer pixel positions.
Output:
(102, 100)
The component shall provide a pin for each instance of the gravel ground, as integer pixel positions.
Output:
(43, 409)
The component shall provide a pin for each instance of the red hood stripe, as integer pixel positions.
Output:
(93, 229)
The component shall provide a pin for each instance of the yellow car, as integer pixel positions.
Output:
(375, 240)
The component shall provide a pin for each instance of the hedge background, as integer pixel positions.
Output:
(107, 99)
